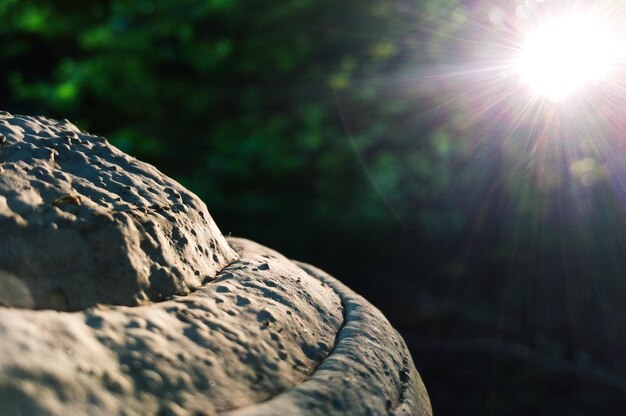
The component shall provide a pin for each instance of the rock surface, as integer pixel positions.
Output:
(83, 223)
(369, 372)
(262, 326)
(157, 313)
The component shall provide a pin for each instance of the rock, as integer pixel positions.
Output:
(149, 310)
(368, 372)
(205, 351)
(84, 223)
(13, 292)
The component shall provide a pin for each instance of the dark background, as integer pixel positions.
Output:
(381, 141)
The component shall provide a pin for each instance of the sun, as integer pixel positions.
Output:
(565, 54)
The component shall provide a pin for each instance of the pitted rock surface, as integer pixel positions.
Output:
(82, 223)
(259, 329)
(238, 330)
(369, 372)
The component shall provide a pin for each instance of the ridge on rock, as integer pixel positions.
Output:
(82, 223)
(258, 330)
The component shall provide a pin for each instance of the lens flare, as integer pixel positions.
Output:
(566, 54)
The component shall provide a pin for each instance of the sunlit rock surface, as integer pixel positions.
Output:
(83, 223)
(119, 295)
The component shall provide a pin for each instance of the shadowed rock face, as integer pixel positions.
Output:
(83, 223)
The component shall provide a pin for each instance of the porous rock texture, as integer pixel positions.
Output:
(83, 223)
(226, 326)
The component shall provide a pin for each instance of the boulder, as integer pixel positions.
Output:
(119, 295)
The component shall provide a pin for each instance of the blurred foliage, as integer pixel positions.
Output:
(323, 128)
(227, 95)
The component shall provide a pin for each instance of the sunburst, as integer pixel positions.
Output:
(566, 54)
